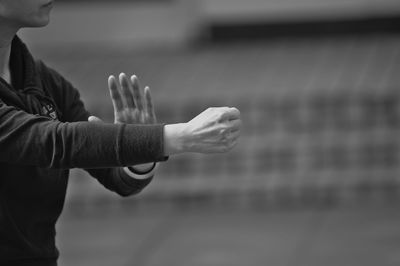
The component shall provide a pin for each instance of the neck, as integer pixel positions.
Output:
(6, 36)
(5, 64)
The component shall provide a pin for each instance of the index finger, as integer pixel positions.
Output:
(230, 113)
(115, 94)
(149, 105)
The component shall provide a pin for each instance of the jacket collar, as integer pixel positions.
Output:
(26, 92)
(23, 67)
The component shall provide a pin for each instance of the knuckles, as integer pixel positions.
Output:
(219, 127)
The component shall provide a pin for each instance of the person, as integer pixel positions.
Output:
(45, 130)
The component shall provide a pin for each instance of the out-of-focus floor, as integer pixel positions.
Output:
(203, 236)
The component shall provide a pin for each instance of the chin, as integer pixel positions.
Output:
(42, 23)
(37, 22)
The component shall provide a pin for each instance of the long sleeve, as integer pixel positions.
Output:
(43, 132)
(28, 139)
(72, 108)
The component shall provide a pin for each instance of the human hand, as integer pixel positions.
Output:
(130, 105)
(215, 130)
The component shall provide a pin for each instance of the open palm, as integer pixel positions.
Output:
(130, 105)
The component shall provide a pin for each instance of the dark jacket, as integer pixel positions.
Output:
(43, 133)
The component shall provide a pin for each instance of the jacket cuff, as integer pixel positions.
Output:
(136, 174)
(133, 184)
(146, 140)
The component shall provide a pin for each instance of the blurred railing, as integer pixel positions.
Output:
(314, 149)
(320, 119)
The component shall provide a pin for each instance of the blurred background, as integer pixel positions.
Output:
(315, 177)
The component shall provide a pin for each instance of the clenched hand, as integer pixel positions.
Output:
(215, 130)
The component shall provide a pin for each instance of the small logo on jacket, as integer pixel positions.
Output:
(49, 111)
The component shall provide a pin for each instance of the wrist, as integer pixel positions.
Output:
(174, 139)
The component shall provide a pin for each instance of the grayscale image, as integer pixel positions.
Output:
(199, 133)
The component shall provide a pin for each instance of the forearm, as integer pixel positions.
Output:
(32, 140)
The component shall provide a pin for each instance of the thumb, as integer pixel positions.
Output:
(94, 119)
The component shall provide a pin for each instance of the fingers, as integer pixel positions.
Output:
(234, 125)
(149, 105)
(126, 88)
(229, 113)
(130, 104)
(128, 94)
(115, 95)
(216, 129)
(231, 127)
(226, 142)
(137, 96)
(235, 135)
(229, 135)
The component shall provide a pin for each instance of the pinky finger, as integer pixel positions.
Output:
(149, 105)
